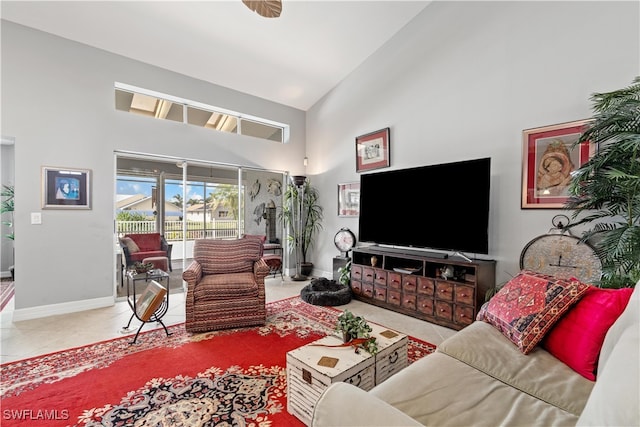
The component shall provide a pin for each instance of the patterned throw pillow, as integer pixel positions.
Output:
(526, 308)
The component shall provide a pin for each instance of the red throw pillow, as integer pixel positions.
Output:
(528, 306)
(577, 338)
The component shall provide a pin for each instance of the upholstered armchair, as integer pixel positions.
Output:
(138, 246)
(225, 285)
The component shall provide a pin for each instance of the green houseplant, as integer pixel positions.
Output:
(605, 191)
(345, 273)
(302, 231)
(354, 327)
(7, 206)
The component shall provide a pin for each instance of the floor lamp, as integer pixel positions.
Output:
(298, 181)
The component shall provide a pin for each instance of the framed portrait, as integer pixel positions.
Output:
(548, 160)
(349, 199)
(372, 150)
(65, 188)
(149, 300)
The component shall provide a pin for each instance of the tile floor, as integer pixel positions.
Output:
(28, 338)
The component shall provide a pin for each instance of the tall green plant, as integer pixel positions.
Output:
(7, 206)
(312, 215)
(605, 191)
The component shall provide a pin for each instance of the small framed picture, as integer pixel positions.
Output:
(349, 199)
(372, 150)
(548, 160)
(149, 300)
(65, 188)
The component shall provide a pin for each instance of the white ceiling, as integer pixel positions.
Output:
(293, 60)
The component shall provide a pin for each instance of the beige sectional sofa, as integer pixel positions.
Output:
(479, 378)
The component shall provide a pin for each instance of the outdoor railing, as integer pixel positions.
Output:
(173, 230)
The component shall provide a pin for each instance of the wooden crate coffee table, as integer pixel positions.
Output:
(315, 366)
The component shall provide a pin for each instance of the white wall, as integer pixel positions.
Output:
(58, 102)
(462, 81)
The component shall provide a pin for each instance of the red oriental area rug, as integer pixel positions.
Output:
(235, 377)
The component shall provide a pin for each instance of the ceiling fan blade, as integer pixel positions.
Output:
(266, 8)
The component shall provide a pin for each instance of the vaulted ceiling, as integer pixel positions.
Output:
(294, 59)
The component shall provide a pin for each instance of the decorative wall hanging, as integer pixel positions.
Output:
(372, 150)
(64, 188)
(274, 187)
(548, 160)
(349, 199)
(254, 190)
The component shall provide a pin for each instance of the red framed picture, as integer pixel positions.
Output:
(548, 160)
(349, 199)
(372, 150)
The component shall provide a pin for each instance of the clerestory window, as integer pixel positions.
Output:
(166, 107)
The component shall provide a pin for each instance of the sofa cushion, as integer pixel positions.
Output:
(439, 390)
(577, 338)
(538, 373)
(130, 244)
(226, 256)
(526, 308)
(225, 286)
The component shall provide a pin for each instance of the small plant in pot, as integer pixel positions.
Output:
(345, 274)
(142, 267)
(356, 330)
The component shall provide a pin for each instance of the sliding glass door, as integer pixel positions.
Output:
(185, 200)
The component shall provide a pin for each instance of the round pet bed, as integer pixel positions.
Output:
(323, 291)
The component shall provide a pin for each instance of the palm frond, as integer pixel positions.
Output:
(605, 191)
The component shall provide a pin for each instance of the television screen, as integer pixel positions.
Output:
(444, 207)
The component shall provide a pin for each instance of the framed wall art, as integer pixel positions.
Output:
(349, 199)
(372, 150)
(65, 188)
(548, 160)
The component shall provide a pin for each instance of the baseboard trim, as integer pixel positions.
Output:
(62, 308)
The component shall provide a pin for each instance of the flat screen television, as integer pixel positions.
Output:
(443, 207)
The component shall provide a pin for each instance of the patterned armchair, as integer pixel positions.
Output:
(225, 285)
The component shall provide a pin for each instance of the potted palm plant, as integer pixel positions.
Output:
(302, 215)
(605, 191)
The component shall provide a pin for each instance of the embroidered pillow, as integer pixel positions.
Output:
(130, 244)
(526, 308)
(577, 338)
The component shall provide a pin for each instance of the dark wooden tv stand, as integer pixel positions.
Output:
(442, 289)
